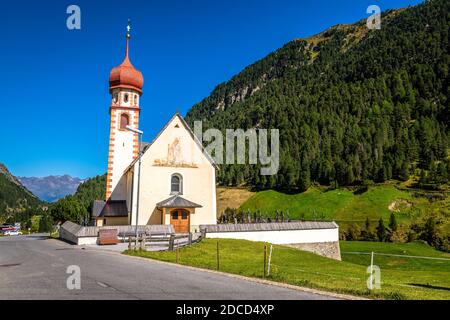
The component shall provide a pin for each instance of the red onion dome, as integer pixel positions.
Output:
(126, 76)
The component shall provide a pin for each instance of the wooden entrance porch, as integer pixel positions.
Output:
(178, 212)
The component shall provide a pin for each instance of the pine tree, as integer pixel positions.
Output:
(381, 230)
(367, 234)
(372, 109)
(46, 223)
(393, 222)
(367, 224)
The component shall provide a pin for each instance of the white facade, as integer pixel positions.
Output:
(174, 152)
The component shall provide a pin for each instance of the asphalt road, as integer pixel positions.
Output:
(33, 267)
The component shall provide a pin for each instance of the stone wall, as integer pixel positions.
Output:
(326, 249)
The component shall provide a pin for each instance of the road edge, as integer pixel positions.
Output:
(256, 280)
(236, 276)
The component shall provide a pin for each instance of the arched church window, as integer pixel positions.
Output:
(126, 98)
(124, 121)
(176, 184)
(116, 97)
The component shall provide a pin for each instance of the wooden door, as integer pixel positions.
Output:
(180, 219)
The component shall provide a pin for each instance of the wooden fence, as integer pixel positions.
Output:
(165, 241)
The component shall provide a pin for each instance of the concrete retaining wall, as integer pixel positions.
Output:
(86, 241)
(323, 240)
(326, 249)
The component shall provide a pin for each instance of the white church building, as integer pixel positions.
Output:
(175, 180)
(172, 181)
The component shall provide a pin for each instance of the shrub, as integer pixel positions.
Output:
(353, 232)
(399, 236)
(46, 223)
(367, 234)
(361, 190)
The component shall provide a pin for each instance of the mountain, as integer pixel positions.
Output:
(51, 188)
(77, 207)
(4, 171)
(351, 104)
(13, 196)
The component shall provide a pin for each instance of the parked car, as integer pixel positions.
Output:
(9, 230)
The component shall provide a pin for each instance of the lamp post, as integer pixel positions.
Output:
(140, 133)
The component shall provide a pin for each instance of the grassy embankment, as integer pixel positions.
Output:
(402, 278)
(345, 206)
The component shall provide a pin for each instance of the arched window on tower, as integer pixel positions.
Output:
(176, 184)
(124, 121)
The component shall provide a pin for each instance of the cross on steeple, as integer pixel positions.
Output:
(129, 28)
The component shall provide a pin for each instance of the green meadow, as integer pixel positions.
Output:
(401, 277)
(345, 206)
(398, 261)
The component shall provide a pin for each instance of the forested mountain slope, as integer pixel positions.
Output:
(351, 104)
(13, 196)
(78, 207)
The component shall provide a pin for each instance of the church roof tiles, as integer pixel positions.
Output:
(111, 208)
(177, 202)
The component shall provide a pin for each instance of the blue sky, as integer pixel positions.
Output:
(54, 81)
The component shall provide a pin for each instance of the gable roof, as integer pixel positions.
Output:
(110, 208)
(177, 202)
(272, 226)
(193, 136)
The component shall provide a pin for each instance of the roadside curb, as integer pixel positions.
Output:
(236, 276)
(257, 280)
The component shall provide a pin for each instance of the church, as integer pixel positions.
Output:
(171, 180)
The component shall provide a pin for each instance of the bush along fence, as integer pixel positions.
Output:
(247, 216)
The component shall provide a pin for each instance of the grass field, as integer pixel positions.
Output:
(344, 206)
(231, 198)
(401, 278)
(348, 248)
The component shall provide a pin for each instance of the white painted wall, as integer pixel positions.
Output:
(87, 241)
(199, 182)
(124, 141)
(281, 237)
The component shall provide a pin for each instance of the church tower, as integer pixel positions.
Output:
(125, 86)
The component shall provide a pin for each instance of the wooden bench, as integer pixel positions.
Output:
(107, 237)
